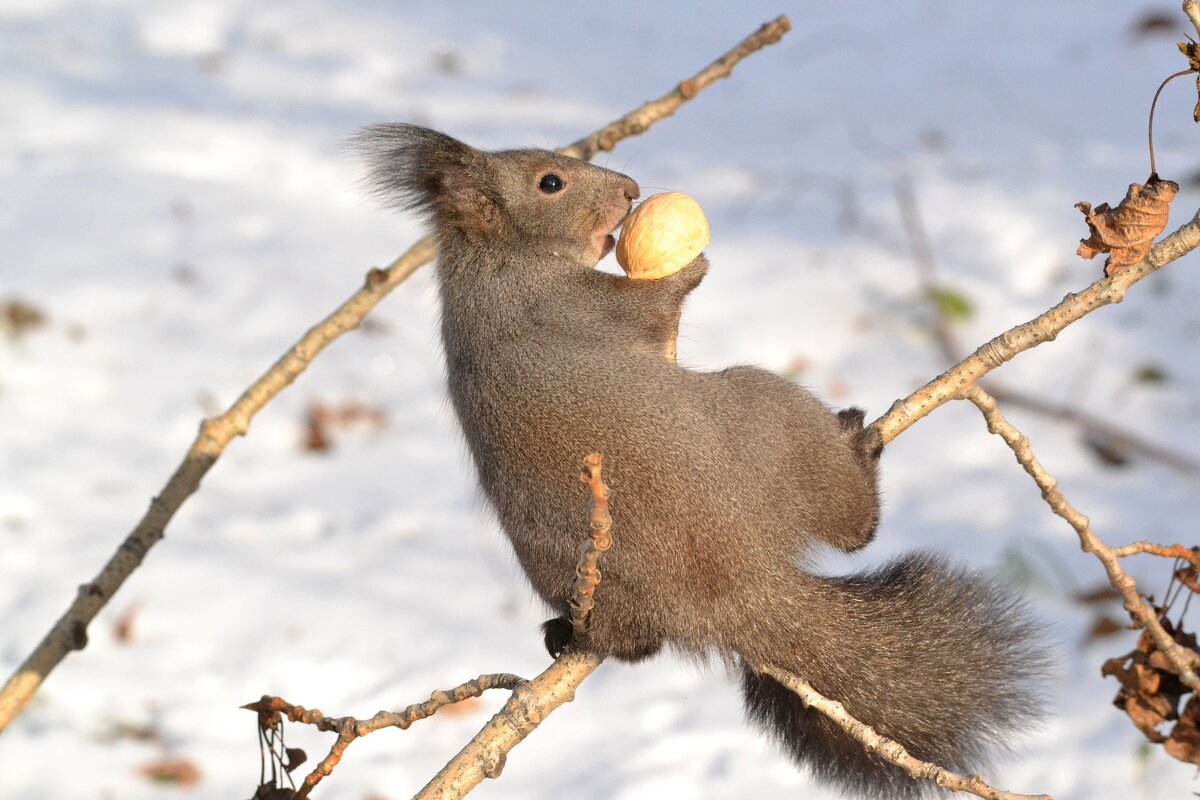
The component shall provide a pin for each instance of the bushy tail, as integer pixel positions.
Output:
(939, 659)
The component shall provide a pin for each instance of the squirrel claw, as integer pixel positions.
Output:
(558, 636)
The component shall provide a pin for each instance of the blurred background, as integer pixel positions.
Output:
(177, 207)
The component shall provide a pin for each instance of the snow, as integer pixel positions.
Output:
(176, 197)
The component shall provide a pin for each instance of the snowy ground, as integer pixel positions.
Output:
(175, 198)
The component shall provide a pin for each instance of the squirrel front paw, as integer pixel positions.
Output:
(558, 636)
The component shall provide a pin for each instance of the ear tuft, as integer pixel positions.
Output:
(410, 167)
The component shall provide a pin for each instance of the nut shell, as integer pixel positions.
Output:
(663, 235)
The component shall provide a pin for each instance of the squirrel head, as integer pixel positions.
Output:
(534, 200)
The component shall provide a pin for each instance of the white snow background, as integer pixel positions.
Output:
(175, 196)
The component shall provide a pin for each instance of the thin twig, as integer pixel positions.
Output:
(956, 381)
(349, 728)
(922, 258)
(1188, 554)
(1120, 439)
(70, 631)
(1150, 121)
(1183, 660)
(598, 540)
(889, 750)
(951, 350)
(638, 121)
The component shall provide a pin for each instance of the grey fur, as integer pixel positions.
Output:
(721, 482)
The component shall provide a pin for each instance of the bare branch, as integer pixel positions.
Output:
(951, 350)
(638, 121)
(1121, 439)
(70, 631)
(349, 728)
(889, 750)
(1182, 659)
(956, 381)
(1188, 554)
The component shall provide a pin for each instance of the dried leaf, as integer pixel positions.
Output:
(1103, 593)
(1107, 449)
(269, 791)
(18, 317)
(1104, 627)
(1127, 231)
(123, 629)
(1151, 693)
(1154, 22)
(322, 418)
(316, 440)
(1188, 577)
(295, 757)
(1184, 741)
(1191, 51)
(176, 771)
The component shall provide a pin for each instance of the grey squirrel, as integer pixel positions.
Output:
(722, 482)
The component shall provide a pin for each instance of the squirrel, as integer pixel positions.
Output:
(723, 483)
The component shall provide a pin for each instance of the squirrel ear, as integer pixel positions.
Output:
(411, 167)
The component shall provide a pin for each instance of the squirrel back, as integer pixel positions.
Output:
(722, 482)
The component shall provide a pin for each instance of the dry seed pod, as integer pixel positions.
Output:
(662, 235)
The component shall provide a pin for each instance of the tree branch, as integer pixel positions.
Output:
(486, 753)
(272, 709)
(70, 631)
(1182, 659)
(889, 750)
(956, 382)
(948, 345)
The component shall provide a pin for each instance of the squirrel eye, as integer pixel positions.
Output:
(551, 183)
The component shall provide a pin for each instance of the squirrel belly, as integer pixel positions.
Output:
(722, 482)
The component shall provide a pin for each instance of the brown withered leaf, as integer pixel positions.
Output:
(1151, 693)
(269, 791)
(1188, 577)
(1184, 741)
(1153, 23)
(295, 757)
(1191, 51)
(1127, 231)
(1101, 594)
(322, 418)
(178, 771)
(1104, 627)
(123, 629)
(18, 317)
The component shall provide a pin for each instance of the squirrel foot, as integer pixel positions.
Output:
(867, 441)
(558, 636)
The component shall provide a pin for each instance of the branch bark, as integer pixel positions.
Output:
(890, 750)
(957, 381)
(1182, 659)
(485, 755)
(69, 633)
